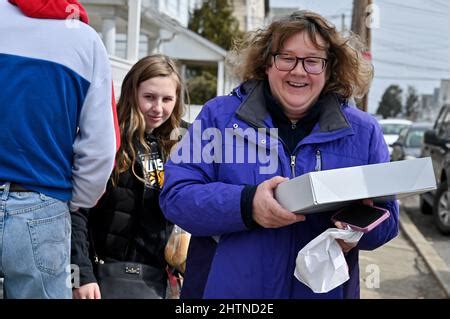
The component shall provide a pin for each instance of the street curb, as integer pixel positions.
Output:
(437, 266)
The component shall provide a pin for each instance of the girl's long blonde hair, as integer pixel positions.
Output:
(131, 119)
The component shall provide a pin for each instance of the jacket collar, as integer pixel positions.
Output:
(254, 110)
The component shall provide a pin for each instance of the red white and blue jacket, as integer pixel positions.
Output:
(57, 128)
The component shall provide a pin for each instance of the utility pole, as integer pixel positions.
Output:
(361, 27)
(343, 23)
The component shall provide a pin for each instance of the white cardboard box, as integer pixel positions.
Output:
(333, 189)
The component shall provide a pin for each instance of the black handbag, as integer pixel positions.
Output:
(130, 280)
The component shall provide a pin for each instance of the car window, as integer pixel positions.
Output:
(440, 118)
(393, 129)
(444, 127)
(415, 138)
(403, 134)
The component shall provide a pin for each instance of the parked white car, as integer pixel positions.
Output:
(391, 130)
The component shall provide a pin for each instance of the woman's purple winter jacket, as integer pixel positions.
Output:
(230, 146)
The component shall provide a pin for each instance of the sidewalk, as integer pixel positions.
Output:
(409, 268)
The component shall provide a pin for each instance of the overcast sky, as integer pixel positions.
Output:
(410, 47)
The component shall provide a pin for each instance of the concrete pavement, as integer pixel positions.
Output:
(408, 268)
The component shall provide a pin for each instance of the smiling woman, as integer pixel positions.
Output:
(298, 76)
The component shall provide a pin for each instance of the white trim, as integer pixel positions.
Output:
(165, 22)
(134, 27)
(220, 77)
(109, 34)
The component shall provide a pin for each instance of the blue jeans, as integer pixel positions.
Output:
(34, 245)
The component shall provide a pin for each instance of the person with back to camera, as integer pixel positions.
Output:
(57, 143)
(298, 73)
(127, 224)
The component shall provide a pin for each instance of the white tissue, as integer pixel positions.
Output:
(321, 264)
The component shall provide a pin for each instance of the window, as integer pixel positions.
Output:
(393, 129)
(444, 126)
(415, 138)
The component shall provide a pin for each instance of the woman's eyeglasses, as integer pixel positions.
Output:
(288, 62)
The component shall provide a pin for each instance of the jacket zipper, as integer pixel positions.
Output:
(318, 161)
(293, 165)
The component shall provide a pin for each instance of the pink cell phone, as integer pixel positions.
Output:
(361, 217)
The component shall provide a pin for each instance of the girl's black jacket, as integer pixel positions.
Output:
(126, 224)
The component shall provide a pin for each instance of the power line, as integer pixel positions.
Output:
(423, 57)
(442, 36)
(413, 39)
(416, 25)
(417, 55)
(421, 10)
(432, 58)
(439, 3)
(427, 68)
(388, 77)
(420, 47)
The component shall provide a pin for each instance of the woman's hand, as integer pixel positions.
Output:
(87, 291)
(346, 247)
(267, 212)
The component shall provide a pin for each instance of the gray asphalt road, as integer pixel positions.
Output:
(428, 229)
